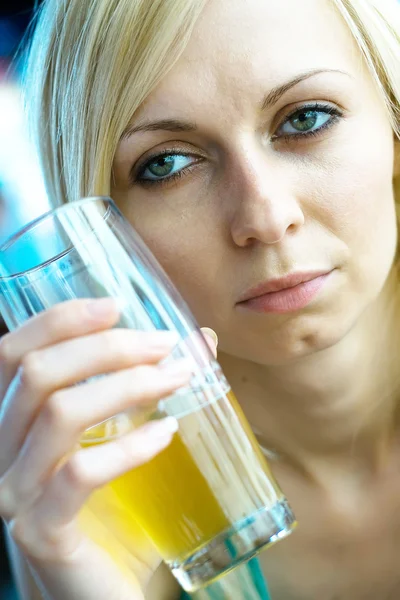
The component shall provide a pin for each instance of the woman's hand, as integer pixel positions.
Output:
(45, 476)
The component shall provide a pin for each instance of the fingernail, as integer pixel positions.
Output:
(102, 307)
(162, 428)
(211, 333)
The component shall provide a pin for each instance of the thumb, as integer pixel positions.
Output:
(211, 339)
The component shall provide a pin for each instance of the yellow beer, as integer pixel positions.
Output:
(197, 487)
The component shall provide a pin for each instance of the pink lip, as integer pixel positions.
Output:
(288, 294)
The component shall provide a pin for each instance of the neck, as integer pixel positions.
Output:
(337, 403)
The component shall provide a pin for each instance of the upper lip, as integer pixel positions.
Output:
(283, 283)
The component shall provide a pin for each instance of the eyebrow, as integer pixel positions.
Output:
(277, 93)
(164, 124)
(176, 126)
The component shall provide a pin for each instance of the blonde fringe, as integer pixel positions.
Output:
(90, 65)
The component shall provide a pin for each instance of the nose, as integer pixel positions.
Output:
(265, 204)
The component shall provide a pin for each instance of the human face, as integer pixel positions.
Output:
(269, 183)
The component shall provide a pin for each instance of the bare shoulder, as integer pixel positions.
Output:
(163, 586)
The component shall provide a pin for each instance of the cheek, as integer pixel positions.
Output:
(188, 244)
(356, 203)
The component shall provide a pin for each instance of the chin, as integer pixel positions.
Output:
(294, 340)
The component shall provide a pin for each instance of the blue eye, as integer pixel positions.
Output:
(164, 166)
(308, 121)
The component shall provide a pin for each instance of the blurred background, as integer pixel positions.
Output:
(22, 195)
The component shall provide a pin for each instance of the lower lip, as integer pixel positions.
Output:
(288, 300)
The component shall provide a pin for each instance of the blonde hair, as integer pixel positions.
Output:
(92, 63)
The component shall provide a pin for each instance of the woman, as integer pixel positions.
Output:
(253, 145)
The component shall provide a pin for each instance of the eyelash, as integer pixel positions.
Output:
(135, 177)
(334, 112)
(328, 109)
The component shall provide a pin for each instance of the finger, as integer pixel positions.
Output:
(87, 470)
(67, 363)
(211, 339)
(45, 371)
(59, 426)
(63, 321)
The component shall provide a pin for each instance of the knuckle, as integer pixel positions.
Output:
(32, 370)
(76, 473)
(6, 349)
(55, 411)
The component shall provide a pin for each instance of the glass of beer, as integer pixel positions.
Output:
(209, 501)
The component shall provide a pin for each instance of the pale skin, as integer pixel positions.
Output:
(256, 204)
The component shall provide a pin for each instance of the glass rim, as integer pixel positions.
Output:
(15, 237)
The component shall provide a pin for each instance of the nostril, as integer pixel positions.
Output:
(292, 228)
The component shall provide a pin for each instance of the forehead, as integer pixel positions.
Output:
(237, 45)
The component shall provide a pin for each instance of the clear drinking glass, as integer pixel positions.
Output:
(209, 501)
